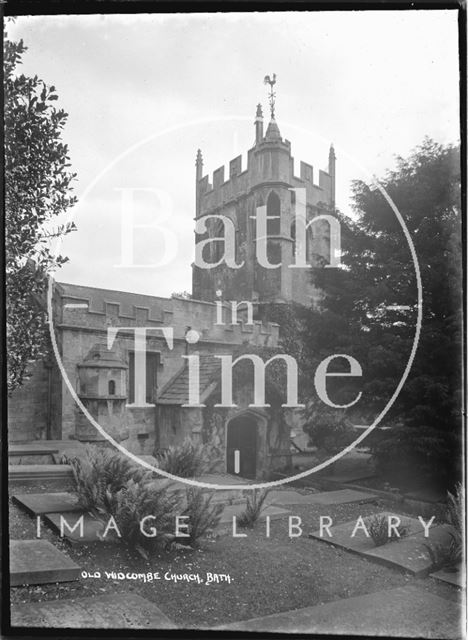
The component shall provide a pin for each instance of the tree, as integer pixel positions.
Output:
(38, 186)
(369, 311)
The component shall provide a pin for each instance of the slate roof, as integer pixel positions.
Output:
(175, 392)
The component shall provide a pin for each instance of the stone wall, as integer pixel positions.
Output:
(270, 167)
(28, 407)
(83, 315)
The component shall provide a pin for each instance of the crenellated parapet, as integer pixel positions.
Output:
(91, 309)
(265, 166)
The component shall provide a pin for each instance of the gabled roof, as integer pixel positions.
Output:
(175, 392)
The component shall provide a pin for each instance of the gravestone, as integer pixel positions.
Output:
(92, 529)
(455, 578)
(409, 612)
(39, 562)
(116, 611)
(411, 553)
(408, 552)
(39, 503)
(37, 472)
(31, 454)
(342, 533)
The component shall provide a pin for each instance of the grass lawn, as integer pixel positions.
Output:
(268, 575)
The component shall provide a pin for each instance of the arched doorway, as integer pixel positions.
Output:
(242, 437)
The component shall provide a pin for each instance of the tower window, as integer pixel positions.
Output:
(111, 387)
(273, 209)
(293, 237)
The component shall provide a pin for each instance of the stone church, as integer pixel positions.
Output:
(104, 379)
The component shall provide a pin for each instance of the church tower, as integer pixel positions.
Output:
(267, 181)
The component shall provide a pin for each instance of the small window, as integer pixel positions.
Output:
(293, 236)
(112, 387)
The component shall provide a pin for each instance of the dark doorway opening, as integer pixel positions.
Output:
(242, 437)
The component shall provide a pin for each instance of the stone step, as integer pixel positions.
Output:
(39, 562)
(37, 472)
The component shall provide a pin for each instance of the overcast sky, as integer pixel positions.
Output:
(374, 83)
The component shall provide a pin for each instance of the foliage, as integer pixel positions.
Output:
(187, 460)
(108, 484)
(446, 556)
(99, 474)
(456, 508)
(38, 186)
(328, 431)
(451, 556)
(369, 311)
(378, 528)
(138, 499)
(203, 517)
(253, 507)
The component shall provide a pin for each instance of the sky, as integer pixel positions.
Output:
(144, 92)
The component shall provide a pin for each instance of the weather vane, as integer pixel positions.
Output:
(272, 94)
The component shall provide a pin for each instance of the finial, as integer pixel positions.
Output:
(272, 94)
(332, 150)
(199, 157)
(259, 113)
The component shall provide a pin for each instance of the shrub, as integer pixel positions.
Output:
(253, 508)
(138, 499)
(446, 556)
(408, 456)
(203, 516)
(329, 432)
(450, 556)
(378, 529)
(456, 508)
(187, 460)
(99, 472)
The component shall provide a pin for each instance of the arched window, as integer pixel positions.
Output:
(273, 209)
(273, 228)
(111, 387)
(293, 237)
(217, 248)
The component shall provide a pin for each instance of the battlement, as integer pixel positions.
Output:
(262, 167)
(94, 309)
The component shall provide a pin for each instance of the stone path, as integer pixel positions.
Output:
(116, 611)
(342, 496)
(39, 562)
(408, 553)
(405, 611)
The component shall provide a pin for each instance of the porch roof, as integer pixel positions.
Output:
(175, 392)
